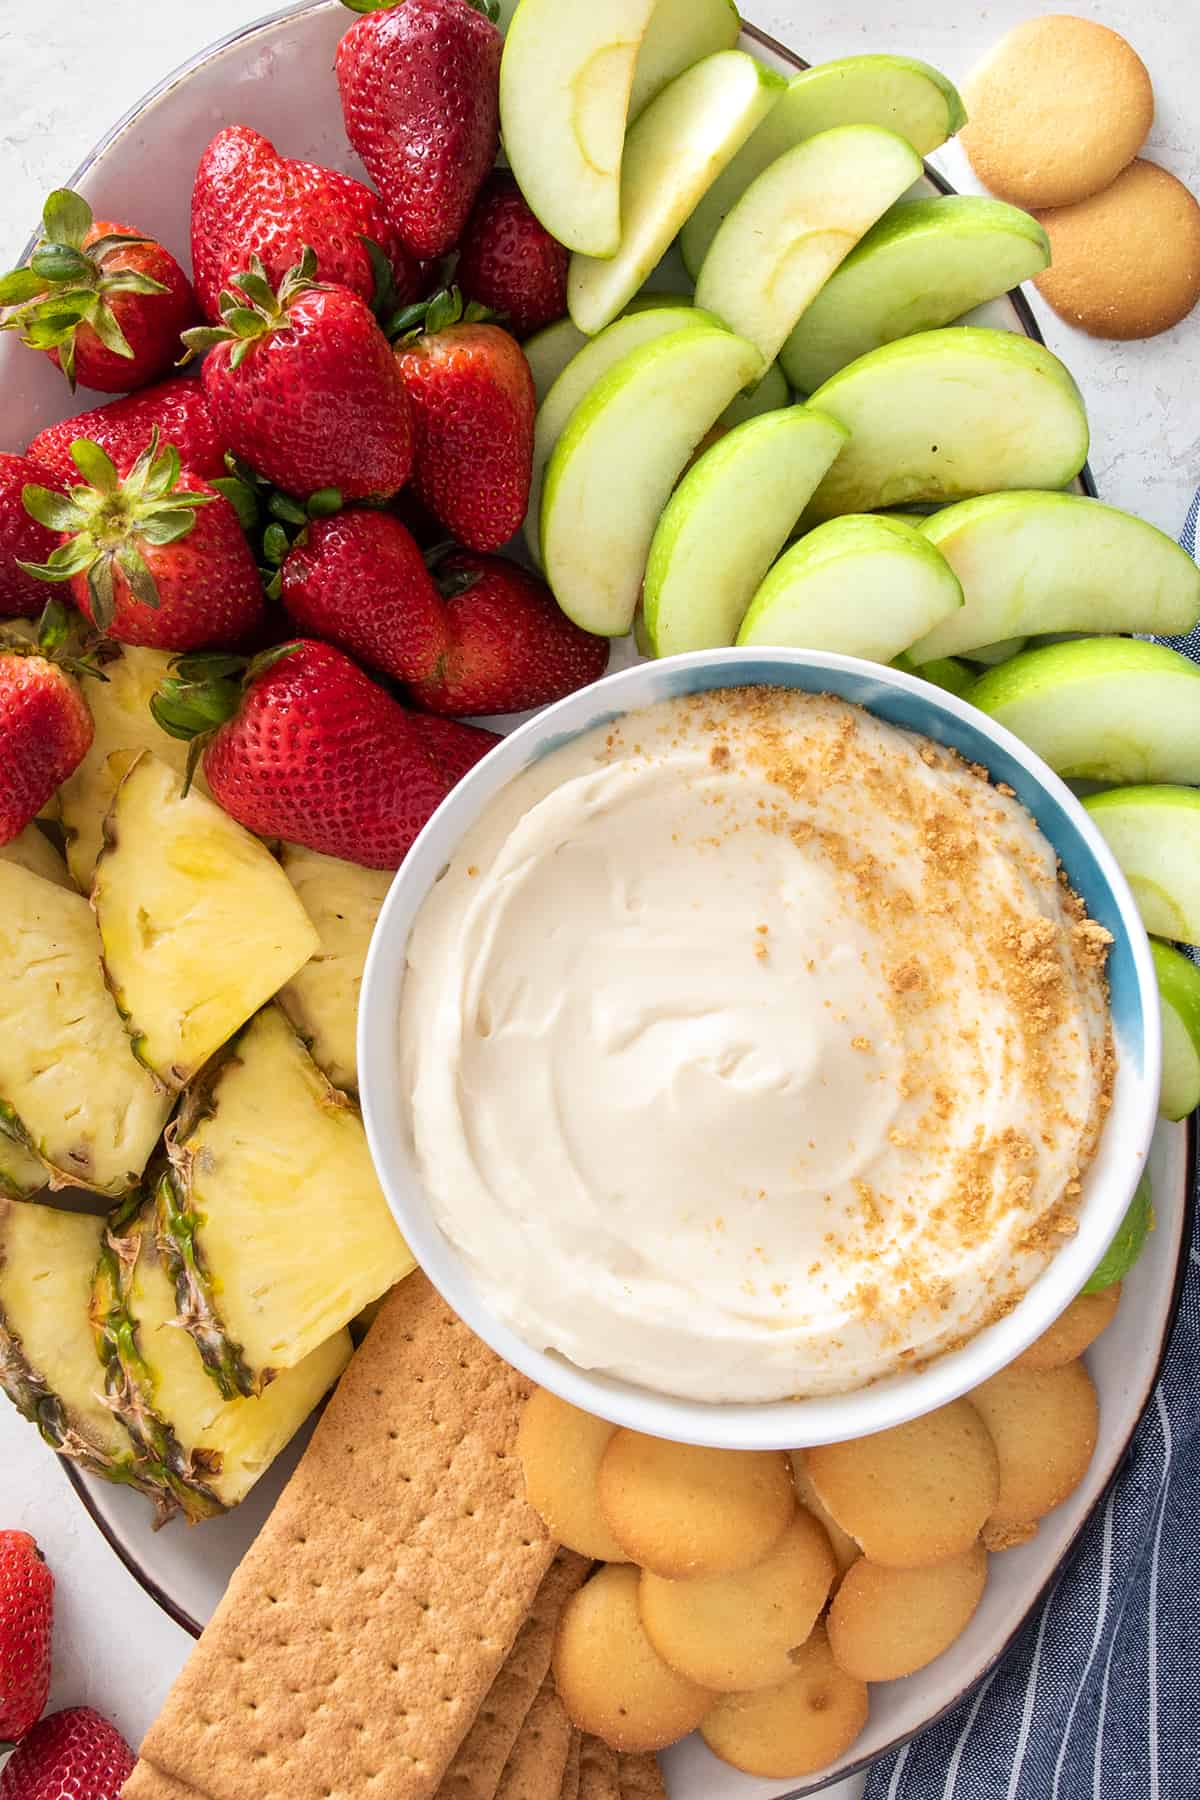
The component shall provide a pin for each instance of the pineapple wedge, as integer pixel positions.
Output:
(33, 850)
(343, 902)
(71, 1088)
(208, 1452)
(199, 924)
(48, 1363)
(21, 1174)
(120, 709)
(271, 1217)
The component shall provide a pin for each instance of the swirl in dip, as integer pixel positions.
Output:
(754, 1048)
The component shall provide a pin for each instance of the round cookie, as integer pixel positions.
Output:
(845, 1550)
(1071, 1333)
(1125, 263)
(682, 1511)
(916, 1494)
(609, 1676)
(803, 1724)
(734, 1632)
(1043, 1423)
(1055, 110)
(885, 1623)
(560, 1449)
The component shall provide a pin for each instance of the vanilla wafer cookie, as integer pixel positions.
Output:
(538, 1760)
(363, 1629)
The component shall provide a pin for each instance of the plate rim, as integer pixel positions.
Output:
(1032, 329)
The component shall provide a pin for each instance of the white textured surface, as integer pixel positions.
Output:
(68, 72)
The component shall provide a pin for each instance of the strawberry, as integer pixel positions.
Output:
(250, 201)
(473, 405)
(45, 726)
(359, 580)
(312, 750)
(22, 539)
(420, 87)
(508, 261)
(484, 636)
(106, 303)
(156, 556)
(454, 748)
(26, 1617)
(70, 1755)
(304, 387)
(176, 408)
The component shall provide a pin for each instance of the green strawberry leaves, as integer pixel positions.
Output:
(273, 521)
(64, 286)
(425, 318)
(251, 308)
(489, 8)
(107, 519)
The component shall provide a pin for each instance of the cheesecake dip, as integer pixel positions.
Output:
(754, 1048)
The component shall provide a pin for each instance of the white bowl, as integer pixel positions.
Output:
(901, 700)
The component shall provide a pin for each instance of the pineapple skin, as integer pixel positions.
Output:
(267, 1160)
(199, 925)
(321, 1000)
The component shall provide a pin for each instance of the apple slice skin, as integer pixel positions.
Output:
(591, 362)
(565, 80)
(785, 237)
(1035, 563)
(948, 415)
(1179, 994)
(1106, 709)
(726, 523)
(673, 152)
(860, 585)
(680, 34)
(924, 264)
(944, 672)
(1154, 833)
(615, 465)
(896, 92)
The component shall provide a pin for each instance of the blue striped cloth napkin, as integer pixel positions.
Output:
(1099, 1698)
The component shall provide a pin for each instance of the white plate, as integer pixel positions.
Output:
(277, 75)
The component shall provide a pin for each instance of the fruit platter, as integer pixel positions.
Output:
(333, 462)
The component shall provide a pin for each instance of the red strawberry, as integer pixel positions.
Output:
(105, 302)
(483, 637)
(454, 748)
(312, 751)
(305, 389)
(250, 201)
(26, 1617)
(71, 1755)
(177, 409)
(360, 581)
(420, 87)
(473, 405)
(508, 261)
(45, 730)
(21, 538)
(153, 557)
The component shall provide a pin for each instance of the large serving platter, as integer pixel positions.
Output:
(277, 75)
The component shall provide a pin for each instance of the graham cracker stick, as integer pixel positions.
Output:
(364, 1627)
(534, 1770)
(597, 1770)
(149, 1783)
(479, 1761)
(641, 1777)
(570, 1780)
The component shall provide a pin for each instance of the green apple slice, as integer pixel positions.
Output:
(1128, 1244)
(565, 79)
(549, 351)
(680, 34)
(949, 414)
(767, 395)
(894, 92)
(1154, 833)
(1179, 994)
(1037, 563)
(781, 242)
(726, 523)
(927, 262)
(623, 450)
(596, 357)
(679, 145)
(988, 655)
(944, 672)
(1101, 709)
(861, 585)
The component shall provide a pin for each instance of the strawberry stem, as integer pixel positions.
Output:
(251, 308)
